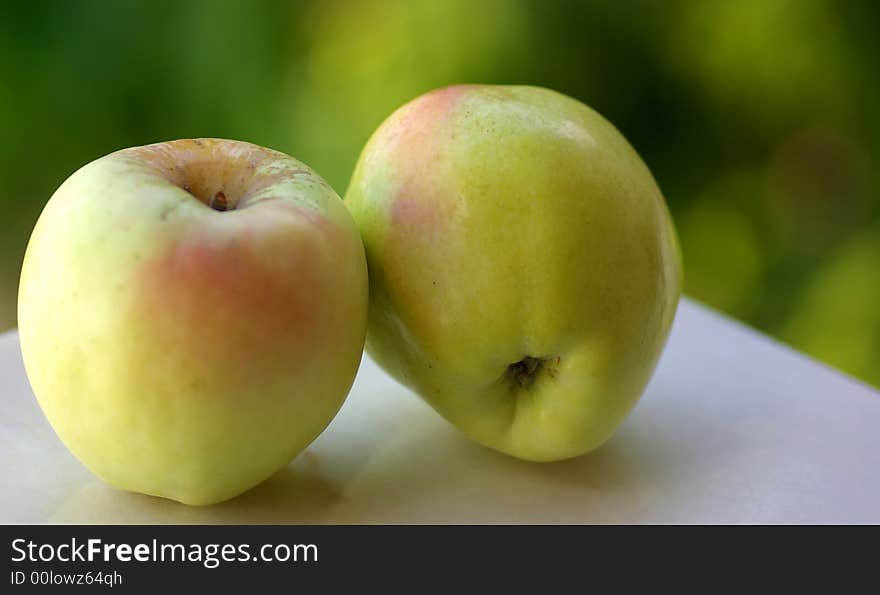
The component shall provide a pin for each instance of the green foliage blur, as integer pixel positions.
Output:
(757, 117)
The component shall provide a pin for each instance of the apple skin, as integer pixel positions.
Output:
(184, 352)
(524, 268)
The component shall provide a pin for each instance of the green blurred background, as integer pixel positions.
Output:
(757, 117)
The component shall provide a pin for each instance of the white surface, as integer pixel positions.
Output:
(733, 428)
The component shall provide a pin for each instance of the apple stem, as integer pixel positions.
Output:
(218, 202)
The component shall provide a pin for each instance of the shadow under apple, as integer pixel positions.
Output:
(429, 472)
(294, 495)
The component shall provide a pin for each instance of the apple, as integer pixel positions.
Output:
(524, 268)
(192, 315)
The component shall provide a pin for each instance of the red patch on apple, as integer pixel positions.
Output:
(424, 117)
(225, 299)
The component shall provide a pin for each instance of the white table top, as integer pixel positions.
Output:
(733, 428)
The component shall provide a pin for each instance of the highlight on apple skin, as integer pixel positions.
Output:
(192, 315)
(524, 268)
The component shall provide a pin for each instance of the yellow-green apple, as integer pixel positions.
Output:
(524, 269)
(192, 315)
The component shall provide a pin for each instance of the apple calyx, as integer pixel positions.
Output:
(522, 374)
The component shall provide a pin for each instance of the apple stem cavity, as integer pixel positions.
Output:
(219, 202)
